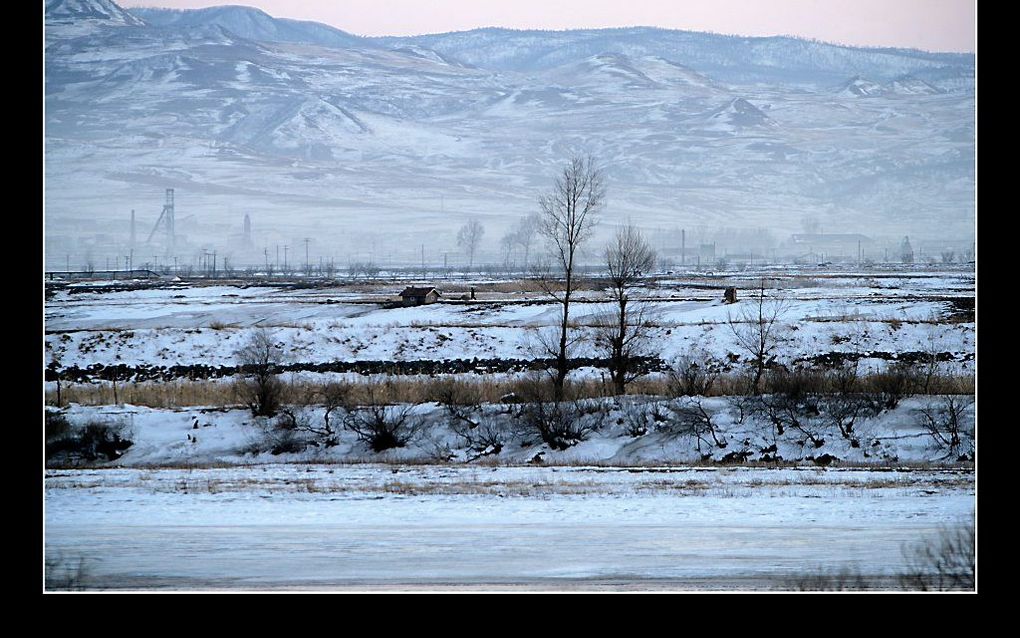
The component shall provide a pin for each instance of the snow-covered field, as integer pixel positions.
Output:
(407, 527)
(171, 325)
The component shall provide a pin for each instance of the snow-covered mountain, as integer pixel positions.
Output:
(359, 142)
(72, 11)
(253, 24)
(724, 58)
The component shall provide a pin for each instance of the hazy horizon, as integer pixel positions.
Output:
(365, 147)
(930, 25)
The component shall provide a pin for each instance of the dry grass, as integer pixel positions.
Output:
(415, 390)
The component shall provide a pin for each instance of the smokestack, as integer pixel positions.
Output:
(247, 230)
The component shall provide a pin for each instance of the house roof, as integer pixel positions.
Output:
(412, 291)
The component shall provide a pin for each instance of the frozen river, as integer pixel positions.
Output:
(380, 527)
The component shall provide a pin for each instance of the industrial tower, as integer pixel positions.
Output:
(166, 220)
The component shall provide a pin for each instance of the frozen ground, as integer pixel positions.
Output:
(411, 527)
(171, 325)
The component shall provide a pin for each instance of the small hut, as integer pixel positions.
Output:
(412, 296)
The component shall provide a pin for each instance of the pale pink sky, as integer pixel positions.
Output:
(934, 25)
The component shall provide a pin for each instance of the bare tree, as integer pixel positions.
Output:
(758, 331)
(507, 245)
(468, 238)
(259, 360)
(569, 214)
(524, 235)
(946, 422)
(622, 333)
(944, 562)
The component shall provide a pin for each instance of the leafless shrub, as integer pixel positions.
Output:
(56, 425)
(487, 439)
(845, 579)
(886, 389)
(466, 418)
(286, 435)
(259, 359)
(382, 426)
(844, 403)
(945, 562)
(335, 396)
(692, 374)
(64, 574)
(690, 418)
(930, 367)
(461, 403)
(94, 440)
(945, 421)
(638, 418)
(301, 424)
(792, 404)
(560, 424)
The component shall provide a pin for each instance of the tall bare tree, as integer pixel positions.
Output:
(524, 234)
(468, 238)
(569, 214)
(758, 330)
(621, 332)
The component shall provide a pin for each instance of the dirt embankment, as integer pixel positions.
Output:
(140, 373)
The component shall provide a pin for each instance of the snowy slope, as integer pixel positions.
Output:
(106, 11)
(253, 24)
(728, 58)
(368, 144)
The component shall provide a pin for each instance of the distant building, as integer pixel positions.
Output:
(906, 252)
(412, 296)
(830, 246)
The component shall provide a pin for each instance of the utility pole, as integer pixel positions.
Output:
(265, 251)
(278, 256)
(307, 265)
(683, 246)
(423, 261)
(285, 247)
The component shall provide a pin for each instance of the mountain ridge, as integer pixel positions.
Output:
(377, 143)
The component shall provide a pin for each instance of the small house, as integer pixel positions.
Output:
(412, 296)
